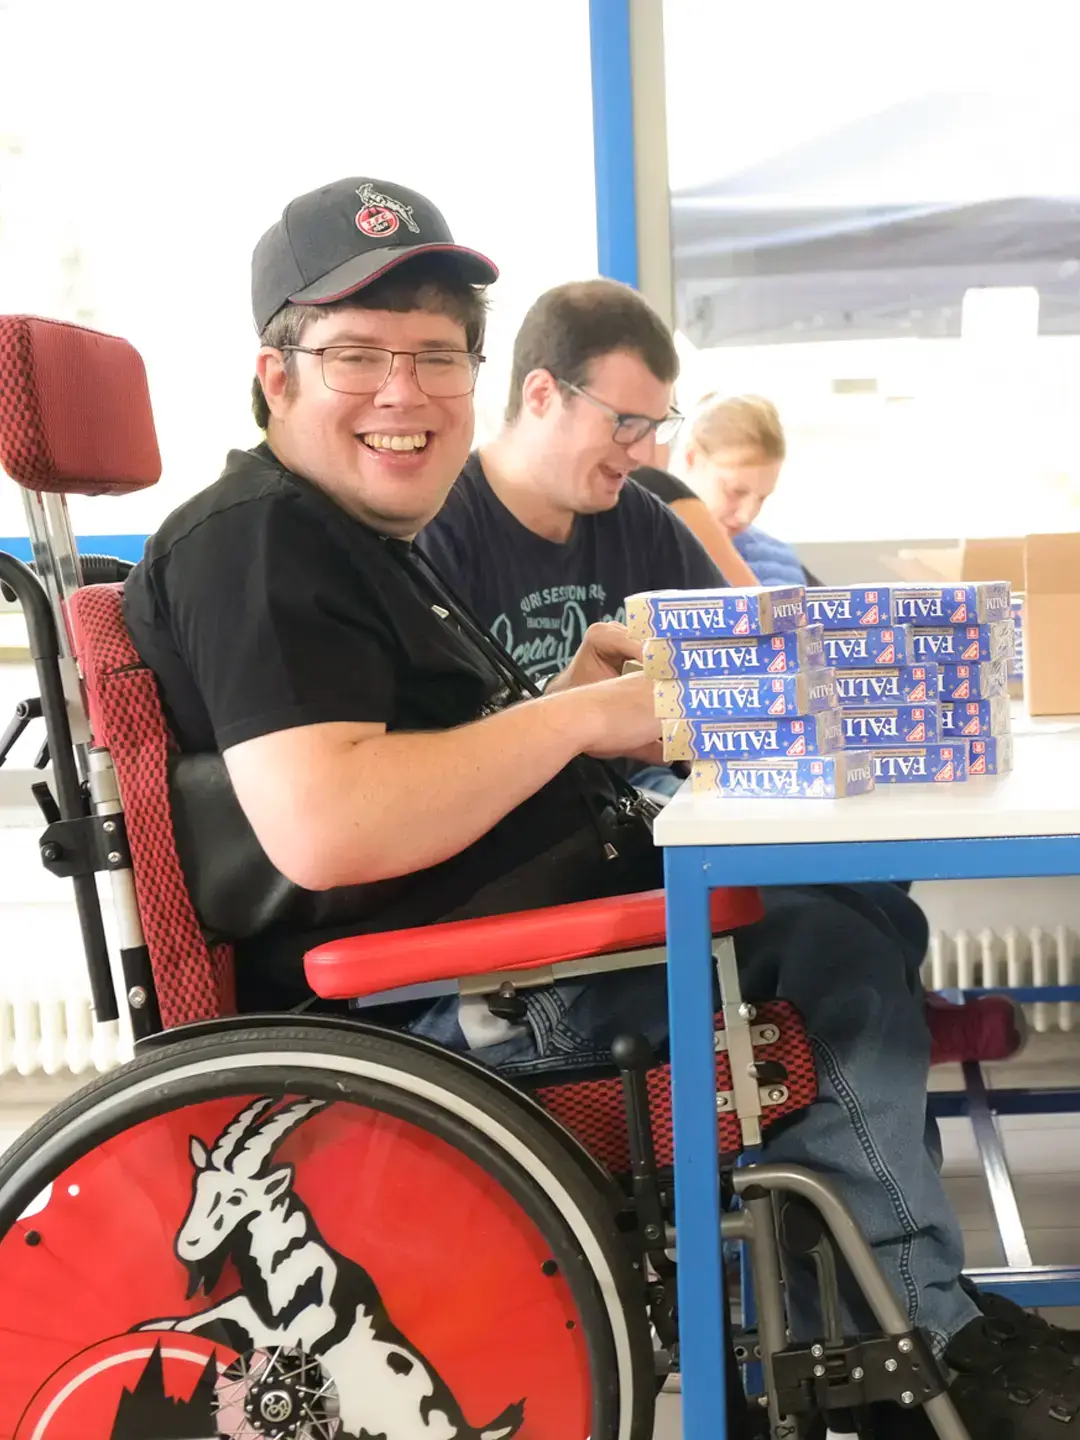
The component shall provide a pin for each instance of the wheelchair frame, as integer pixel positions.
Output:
(85, 836)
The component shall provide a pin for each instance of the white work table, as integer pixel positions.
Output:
(1025, 823)
(1040, 796)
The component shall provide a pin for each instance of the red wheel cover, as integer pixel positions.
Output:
(359, 1236)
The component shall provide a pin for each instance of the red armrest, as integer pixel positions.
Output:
(366, 964)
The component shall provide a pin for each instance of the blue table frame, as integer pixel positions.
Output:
(691, 871)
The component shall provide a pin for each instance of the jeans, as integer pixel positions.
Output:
(848, 959)
(658, 779)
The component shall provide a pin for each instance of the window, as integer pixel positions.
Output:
(141, 159)
(876, 223)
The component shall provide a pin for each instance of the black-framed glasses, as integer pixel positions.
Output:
(629, 429)
(365, 369)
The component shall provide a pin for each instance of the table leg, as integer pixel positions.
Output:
(697, 1177)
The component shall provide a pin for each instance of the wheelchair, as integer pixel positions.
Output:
(309, 1226)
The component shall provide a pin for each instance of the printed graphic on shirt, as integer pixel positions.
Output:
(549, 625)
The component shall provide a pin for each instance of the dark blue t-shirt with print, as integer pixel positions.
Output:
(537, 596)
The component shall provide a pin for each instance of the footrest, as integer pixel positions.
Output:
(813, 1379)
(367, 964)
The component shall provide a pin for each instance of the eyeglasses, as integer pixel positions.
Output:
(365, 369)
(629, 429)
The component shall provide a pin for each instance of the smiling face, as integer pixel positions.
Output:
(581, 466)
(388, 458)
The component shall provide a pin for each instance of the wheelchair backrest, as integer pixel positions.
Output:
(76, 418)
(192, 980)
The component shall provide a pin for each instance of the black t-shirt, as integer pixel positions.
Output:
(261, 605)
(537, 596)
(663, 485)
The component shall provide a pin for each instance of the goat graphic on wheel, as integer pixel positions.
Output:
(298, 1295)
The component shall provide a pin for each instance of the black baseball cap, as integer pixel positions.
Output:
(335, 240)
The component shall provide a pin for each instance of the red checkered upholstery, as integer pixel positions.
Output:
(595, 1111)
(193, 981)
(75, 412)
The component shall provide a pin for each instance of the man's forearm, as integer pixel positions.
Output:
(403, 801)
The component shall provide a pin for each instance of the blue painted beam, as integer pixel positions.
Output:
(983, 858)
(123, 547)
(613, 140)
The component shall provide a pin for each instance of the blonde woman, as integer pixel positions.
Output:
(735, 449)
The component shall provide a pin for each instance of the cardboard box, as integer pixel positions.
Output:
(859, 649)
(749, 655)
(1052, 624)
(899, 685)
(799, 735)
(876, 725)
(992, 756)
(921, 764)
(804, 692)
(964, 719)
(964, 644)
(993, 560)
(1000, 559)
(845, 607)
(675, 614)
(814, 777)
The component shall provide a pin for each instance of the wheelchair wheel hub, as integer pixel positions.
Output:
(279, 1395)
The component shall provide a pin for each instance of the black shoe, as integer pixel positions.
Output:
(1007, 1388)
(1011, 1319)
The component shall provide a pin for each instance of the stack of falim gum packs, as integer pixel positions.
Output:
(922, 674)
(745, 693)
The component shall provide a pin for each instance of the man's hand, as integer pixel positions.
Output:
(623, 713)
(602, 655)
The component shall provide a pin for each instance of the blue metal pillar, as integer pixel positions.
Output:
(613, 140)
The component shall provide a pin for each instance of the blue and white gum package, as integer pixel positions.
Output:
(920, 764)
(848, 607)
(693, 614)
(974, 604)
(803, 692)
(1016, 663)
(990, 756)
(895, 685)
(962, 719)
(869, 725)
(812, 777)
(963, 644)
(749, 655)
(974, 682)
(876, 645)
(819, 734)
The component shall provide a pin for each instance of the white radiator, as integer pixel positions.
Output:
(53, 1033)
(56, 1035)
(973, 960)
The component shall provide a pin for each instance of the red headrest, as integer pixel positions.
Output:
(74, 409)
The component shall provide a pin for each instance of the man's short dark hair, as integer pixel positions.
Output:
(423, 284)
(572, 325)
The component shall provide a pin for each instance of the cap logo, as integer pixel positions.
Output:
(381, 214)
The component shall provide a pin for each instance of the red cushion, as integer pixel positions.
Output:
(368, 964)
(75, 410)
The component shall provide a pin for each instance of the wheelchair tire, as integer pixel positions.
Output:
(372, 1225)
